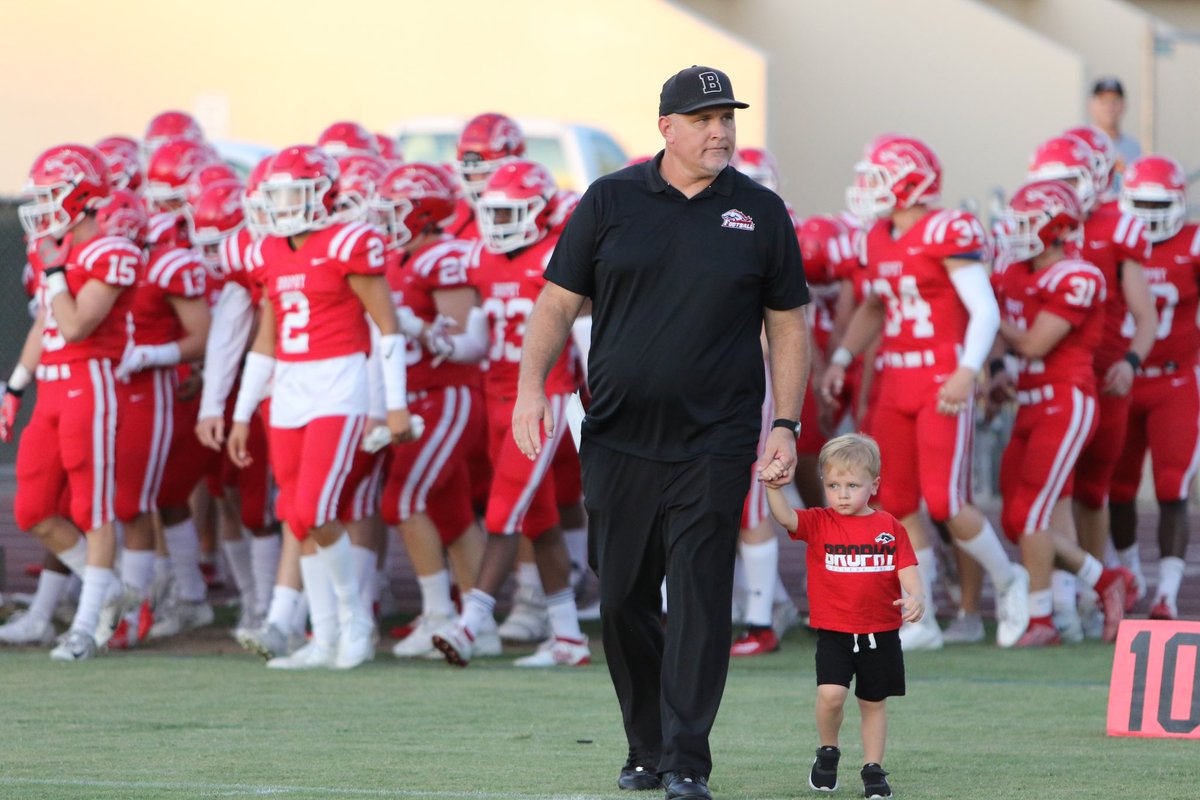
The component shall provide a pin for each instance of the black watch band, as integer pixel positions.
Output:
(790, 424)
(1134, 360)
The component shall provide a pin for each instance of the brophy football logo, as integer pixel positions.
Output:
(879, 556)
(737, 220)
(885, 538)
(709, 82)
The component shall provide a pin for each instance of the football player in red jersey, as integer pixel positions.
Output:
(79, 336)
(166, 127)
(931, 297)
(1115, 244)
(487, 142)
(1165, 406)
(313, 341)
(1050, 321)
(517, 243)
(428, 493)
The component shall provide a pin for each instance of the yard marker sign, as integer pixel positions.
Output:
(1155, 686)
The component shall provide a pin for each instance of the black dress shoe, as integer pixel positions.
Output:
(684, 784)
(637, 777)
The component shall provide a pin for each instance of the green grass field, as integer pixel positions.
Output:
(977, 723)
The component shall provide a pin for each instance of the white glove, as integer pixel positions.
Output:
(144, 356)
(411, 325)
(437, 339)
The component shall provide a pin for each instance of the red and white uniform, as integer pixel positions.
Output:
(1164, 412)
(1056, 394)
(432, 474)
(167, 231)
(320, 396)
(926, 455)
(463, 224)
(854, 568)
(148, 398)
(71, 439)
(523, 495)
(1109, 238)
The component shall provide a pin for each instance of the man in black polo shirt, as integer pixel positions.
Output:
(684, 259)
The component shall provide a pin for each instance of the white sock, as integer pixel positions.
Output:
(322, 599)
(739, 583)
(1130, 558)
(1089, 573)
(282, 606)
(435, 594)
(987, 550)
(237, 556)
(761, 562)
(364, 571)
(564, 619)
(576, 541)
(529, 578)
(1065, 590)
(478, 609)
(264, 561)
(50, 588)
(338, 559)
(927, 570)
(75, 557)
(1170, 575)
(97, 584)
(183, 548)
(162, 567)
(299, 623)
(1041, 603)
(137, 569)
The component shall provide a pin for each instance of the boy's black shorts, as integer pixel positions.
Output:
(878, 670)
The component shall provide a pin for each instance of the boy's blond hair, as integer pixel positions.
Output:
(850, 451)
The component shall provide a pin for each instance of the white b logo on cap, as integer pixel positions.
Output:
(709, 82)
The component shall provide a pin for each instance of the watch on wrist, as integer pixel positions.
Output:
(791, 424)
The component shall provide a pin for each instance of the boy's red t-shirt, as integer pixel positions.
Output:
(853, 566)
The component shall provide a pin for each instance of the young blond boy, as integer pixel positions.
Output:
(858, 560)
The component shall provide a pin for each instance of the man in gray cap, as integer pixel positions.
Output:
(685, 260)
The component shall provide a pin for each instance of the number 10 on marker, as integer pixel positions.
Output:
(1155, 686)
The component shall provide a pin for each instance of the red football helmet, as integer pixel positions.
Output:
(124, 162)
(299, 190)
(167, 126)
(1104, 155)
(1155, 191)
(1039, 215)
(758, 164)
(487, 142)
(216, 215)
(347, 139)
(170, 169)
(824, 242)
(898, 172)
(410, 200)
(1066, 159)
(206, 175)
(360, 175)
(514, 207)
(123, 214)
(65, 182)
(389, 149)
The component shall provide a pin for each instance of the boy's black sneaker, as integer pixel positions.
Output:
(637, 775)
(875, 781)
(823, 775)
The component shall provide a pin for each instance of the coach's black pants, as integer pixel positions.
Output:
(647, 519)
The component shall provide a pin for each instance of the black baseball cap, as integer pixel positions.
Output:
(1108, 84)
(694, 88)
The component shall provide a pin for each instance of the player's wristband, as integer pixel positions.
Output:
(996, 366)
(56, 283)
(411, 325)
(841, 357)
(19, 379)
(1134, 360)
(395, 379)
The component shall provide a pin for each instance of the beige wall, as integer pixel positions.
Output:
(1181, 13)
(977, 85)
(283, 71)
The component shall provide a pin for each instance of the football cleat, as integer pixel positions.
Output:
(114, 611)
(419, 643)
(1012, 608)
(456, 644)
(268, 641)
(74, 646)
(965, 629)
(1039, 634)
(558, 652)
(24, 628)
(756, 642)
(528, 621)
(1163, 609)
(356, 644)
(313, 655)
(923, 635)
(181, 616)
